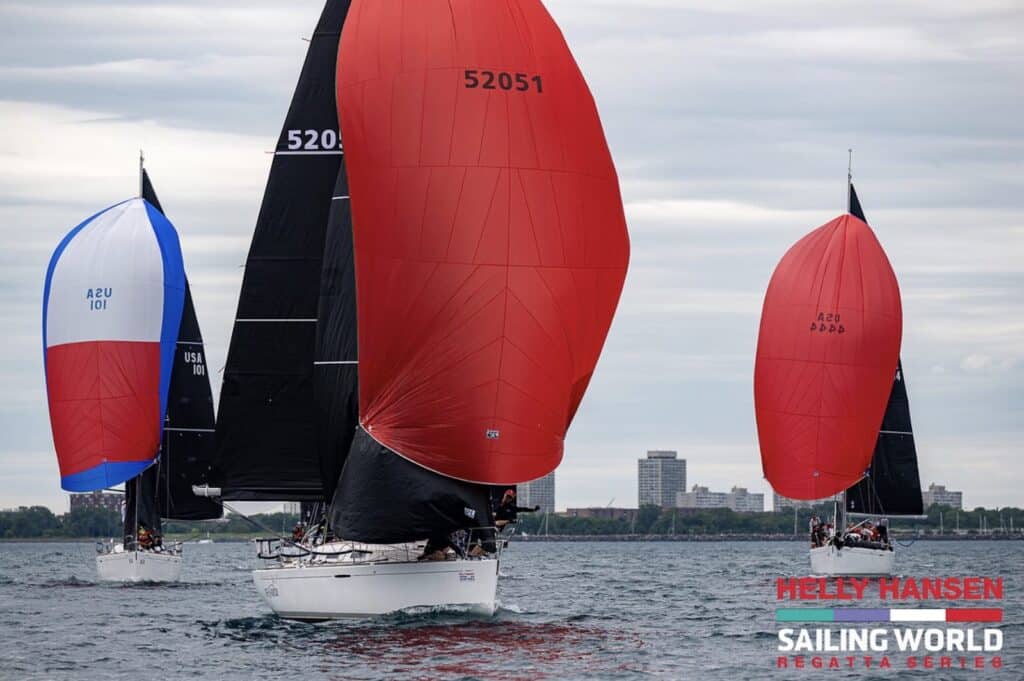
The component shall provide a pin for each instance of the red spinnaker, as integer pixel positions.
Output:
(826, 352)
(490, 240)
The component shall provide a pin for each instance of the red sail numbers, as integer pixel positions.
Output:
(826, 355)
(490, 240)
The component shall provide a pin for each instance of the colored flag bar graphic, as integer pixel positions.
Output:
(889, 615)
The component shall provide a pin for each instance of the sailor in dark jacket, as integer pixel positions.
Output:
(507, 511)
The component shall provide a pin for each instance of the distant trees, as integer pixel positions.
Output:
(33, 522)
(29, 521)
(652, 520)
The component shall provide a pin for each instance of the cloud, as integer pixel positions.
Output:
(729, 124)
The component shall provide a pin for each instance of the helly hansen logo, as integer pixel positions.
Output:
(493, 434)
(98, 297)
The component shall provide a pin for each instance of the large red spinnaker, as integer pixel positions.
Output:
(490, 241)
(826, 354)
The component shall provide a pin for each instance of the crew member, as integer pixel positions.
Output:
(145, 540)
(507, 511)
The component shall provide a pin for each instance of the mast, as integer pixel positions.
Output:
(849, 181)
(142, 170)
(138, 494)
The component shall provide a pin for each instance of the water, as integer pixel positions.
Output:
(568, 610)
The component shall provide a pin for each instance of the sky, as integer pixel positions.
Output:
(729, 122)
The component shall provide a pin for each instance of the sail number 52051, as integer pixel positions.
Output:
(314, 140)
(502, 80)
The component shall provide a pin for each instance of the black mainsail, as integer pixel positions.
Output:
(186, 453)
(336, 366)
(187, 448)
(266, 425)
(892, 485)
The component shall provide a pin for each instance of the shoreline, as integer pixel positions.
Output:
(564, 538)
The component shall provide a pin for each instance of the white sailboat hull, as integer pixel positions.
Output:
(852, 561)
(138, 566)
(307, 591)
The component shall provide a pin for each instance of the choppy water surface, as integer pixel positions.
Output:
(568, 610)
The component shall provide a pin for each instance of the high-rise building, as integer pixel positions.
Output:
(104, 500)
(661, 476)
(539, 492)
(938, 494)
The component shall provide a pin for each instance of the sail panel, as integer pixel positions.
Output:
(829, 338)
(188, 444)
(266, 436)
(383, 498)
(336, 368)
(112, 306)
(490, 240)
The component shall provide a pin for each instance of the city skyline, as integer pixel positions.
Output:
(722, 167)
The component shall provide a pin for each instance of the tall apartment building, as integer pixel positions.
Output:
(661, 475)
(104, 500)
(539, 492)
(938, 494)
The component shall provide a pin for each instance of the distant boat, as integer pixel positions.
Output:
(479, 267)
(207, 540)
(125, 377)
(832, 411)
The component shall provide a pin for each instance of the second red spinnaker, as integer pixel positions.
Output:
(827, 351)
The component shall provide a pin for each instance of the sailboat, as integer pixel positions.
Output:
(832, 413)
(472, 249)
(126, 377)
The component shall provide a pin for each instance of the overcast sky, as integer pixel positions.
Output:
(729, 122)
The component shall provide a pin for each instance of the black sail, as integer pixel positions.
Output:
(140, 504)
(892, 485)
(336, 376)
(187, 448)
(188, 443)
(266, 433)
(384, 498)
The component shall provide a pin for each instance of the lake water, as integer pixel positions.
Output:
(568, 610)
